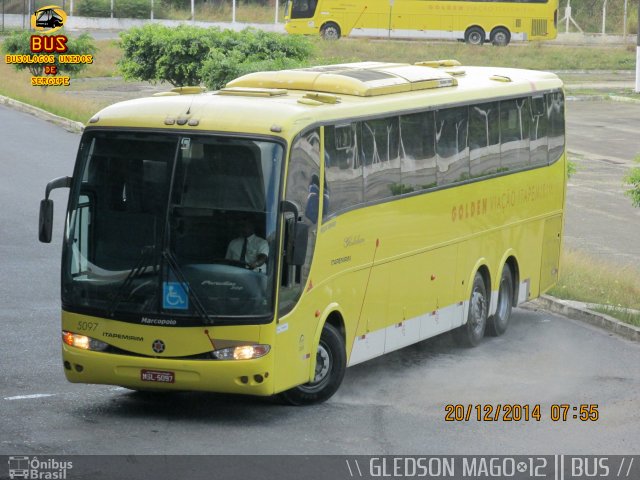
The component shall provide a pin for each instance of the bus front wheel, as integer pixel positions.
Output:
(331, 363)
(470, 334)
(497, 324)
(330, 31)
(500, 37)
(474, 36)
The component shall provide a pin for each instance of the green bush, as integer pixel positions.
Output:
(219, 68)
(188, 55)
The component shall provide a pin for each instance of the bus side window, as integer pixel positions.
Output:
(514, 132)
(555, 114)
(484, 139)
(417, 153)
(343, 171)
(381, 160)
(302, 175)
(451, 145)
(538, 132)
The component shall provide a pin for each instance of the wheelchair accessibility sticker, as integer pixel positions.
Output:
(175, 296)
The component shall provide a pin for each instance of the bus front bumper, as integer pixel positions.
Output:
(250, 377)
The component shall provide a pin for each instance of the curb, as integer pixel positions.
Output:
(69, 125)
(606, 322)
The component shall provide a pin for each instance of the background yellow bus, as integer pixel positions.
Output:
(376, 205)
(475, 22)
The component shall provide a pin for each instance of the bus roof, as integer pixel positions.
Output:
(284, 102)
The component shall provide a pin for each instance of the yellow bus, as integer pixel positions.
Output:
(261, 238)
(474, 21)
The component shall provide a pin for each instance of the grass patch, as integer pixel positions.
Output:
(536, 56)
(104, 61)
(17, 85)
(586, 279)
(622, 314)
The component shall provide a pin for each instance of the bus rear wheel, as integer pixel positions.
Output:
(474, 36)
(497, 324)
(500, 37)
(330, 31)
(331, 363)
(470, 334)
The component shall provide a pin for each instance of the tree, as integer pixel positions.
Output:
(189, 55)
(19, 43)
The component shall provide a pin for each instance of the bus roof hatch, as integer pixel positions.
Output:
(360, 79)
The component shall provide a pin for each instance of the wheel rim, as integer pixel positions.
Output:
(504, 300)
(475, 38)
(477, 311)
(324, 361)
(331, 33)
(500, 38)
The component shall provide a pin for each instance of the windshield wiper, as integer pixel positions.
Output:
(177, 271)
(147, 253)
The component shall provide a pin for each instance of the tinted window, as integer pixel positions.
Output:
(417, 153)
(484, 138)
(555, 114)
(451, 145)
(303, 190)
(342, 169)
(380, 159)
(303, 8)
(538, 131)
(514, 131)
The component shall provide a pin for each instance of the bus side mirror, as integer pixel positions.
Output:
(297, 252)
(297, 235)
(45, 222)
(45, 226)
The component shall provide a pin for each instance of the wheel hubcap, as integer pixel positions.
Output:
(323, 362)
(503, 300)
(478, 308)
(331, 33)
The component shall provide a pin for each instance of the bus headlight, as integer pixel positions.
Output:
(242, 352)
(83, 342)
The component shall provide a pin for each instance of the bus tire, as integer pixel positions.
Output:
(500, 37)
(470, 334)
(331, 363)
(330, 31)
(474, 36)
(497, 324)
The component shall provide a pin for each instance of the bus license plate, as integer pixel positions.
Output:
(157, 376)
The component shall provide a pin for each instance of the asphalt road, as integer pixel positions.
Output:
(604, 138)
(394, 404)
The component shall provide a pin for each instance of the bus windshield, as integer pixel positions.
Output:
(303, 8)
(174, 226)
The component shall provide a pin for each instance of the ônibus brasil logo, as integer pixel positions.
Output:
(35, 468)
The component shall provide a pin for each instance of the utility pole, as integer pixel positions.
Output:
(638, 52)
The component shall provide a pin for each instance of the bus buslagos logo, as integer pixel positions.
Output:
(47, 20)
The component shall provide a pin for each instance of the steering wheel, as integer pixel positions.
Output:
(229, 261)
